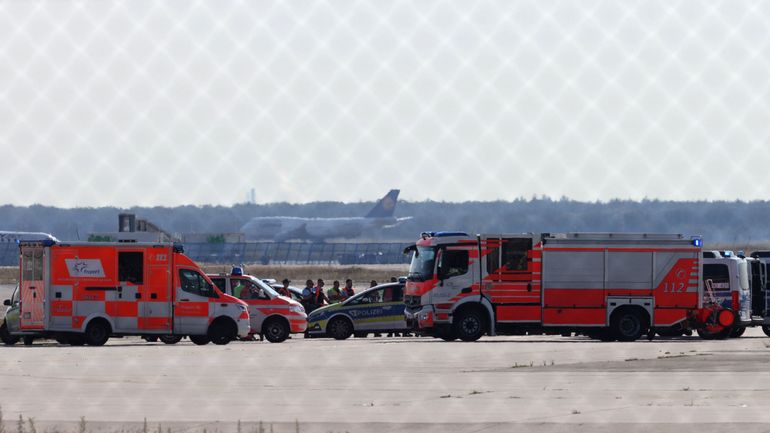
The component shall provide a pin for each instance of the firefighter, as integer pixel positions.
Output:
(334, 295)
(347, 291)
(319, 297)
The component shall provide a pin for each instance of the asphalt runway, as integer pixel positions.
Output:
(529, 383)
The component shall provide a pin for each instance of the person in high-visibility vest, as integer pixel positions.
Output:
(238, 288)
(334, 294)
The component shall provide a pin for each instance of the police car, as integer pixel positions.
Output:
(378, 309)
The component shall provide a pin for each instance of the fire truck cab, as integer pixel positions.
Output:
(272, 315)
(84, 293)
(611, 286)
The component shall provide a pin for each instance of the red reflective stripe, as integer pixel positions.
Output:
(154, 323)
(121, 308)
(192, 309)
(61, 308)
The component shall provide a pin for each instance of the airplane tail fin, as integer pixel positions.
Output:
(385, 206)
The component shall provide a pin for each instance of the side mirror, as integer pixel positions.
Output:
(7, 302)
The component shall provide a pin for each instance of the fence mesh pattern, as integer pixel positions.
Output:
(139, 102)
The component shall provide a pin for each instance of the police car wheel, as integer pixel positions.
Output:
(276, 330)
(339, 328)
(200, 340)
(766, 330)
(6, 337)
(97, 333)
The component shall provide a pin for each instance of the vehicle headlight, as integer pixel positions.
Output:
(242, 307)
(296, 309)
(424, 316)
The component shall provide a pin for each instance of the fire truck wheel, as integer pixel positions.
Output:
(276, 330)
(711, 335)
(97, 332)
(628, 325)
(469, 325)
(446, 334)
(6, 337)
(339, 328)
(170, 339)
(737, 331)
(153, 339)
(200, 340)
(222, 332)
(766, 330)
(28, 340)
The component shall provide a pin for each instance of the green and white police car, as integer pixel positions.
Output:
(375, 310)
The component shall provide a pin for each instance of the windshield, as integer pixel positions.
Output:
(265, 287)
(421, 268)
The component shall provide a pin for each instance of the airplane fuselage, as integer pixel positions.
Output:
(296, 228)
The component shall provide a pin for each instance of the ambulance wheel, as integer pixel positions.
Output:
(6, 337)
(76, 340)
(28, 340)
(223, 331)
(766, 330)
(339, 328)
(627, 325)
(97, 333)
(170, 339)
(469, 325)
(200, 340)
(276, 330)
(737, 331)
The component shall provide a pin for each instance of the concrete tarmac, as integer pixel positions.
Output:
(528, 383)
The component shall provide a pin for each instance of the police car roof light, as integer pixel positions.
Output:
(445, 234)
(237, 270)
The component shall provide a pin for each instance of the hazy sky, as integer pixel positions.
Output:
(180, 102)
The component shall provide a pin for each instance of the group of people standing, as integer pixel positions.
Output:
(314, 296)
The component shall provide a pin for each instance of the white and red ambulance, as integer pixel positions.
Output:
(84, 293)
(272, 315)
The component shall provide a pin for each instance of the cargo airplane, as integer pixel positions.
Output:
(284, 228)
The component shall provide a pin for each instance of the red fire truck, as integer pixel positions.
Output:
(610, 286)
(84, 293)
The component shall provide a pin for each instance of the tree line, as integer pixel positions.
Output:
(734, 222)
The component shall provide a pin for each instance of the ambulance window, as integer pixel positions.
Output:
(719, 276)
(220, 283)
(131, 267)
(453, 263)
(193, 282)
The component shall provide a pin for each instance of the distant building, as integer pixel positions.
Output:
(131, 229)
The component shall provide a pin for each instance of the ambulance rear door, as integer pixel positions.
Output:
(33, 268)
